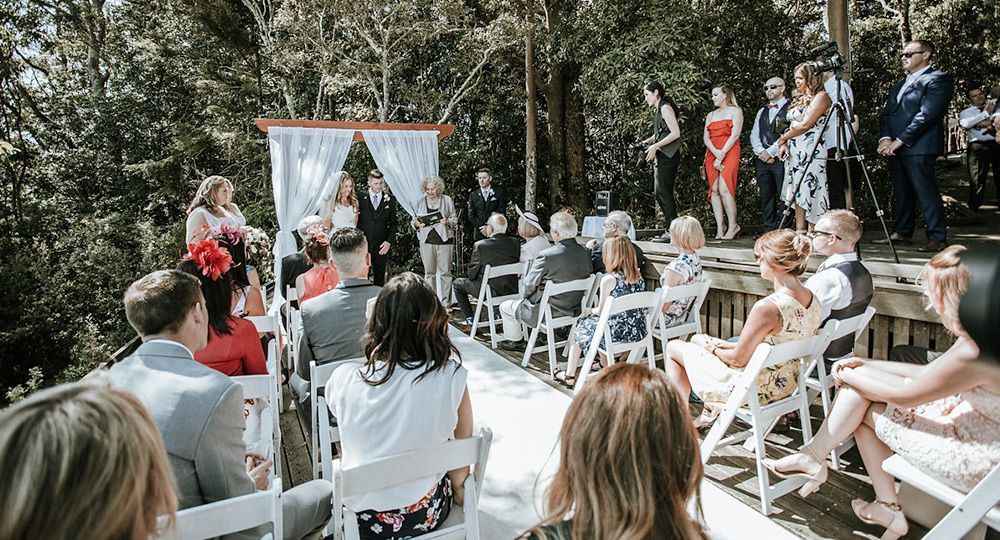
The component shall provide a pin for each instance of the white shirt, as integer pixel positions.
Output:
(831, 287)
(486, 193)
(972, 116)
(910, 79)
(755, 141)
(376, 198)
(846, 96)
(399, 416)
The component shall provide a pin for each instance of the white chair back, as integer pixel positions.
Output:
(318, 377)
(695, 294)
(395, 470)
(228, 516)
(272, 324)
(490, 302)
(549, 322)
(262, 387)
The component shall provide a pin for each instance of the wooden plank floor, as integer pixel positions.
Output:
(825, 514)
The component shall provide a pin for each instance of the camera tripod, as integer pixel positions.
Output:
(842, 129)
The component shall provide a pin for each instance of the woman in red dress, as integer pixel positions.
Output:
(233, 345)
(722, 158)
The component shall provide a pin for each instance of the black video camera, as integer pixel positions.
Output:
(832, 59)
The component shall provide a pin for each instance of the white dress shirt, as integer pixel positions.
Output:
(758, 146)
(910, 79)
(972, 116)
(832, 287)
(376, 198)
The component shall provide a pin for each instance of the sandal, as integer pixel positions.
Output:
(895, 525)
(562, 378)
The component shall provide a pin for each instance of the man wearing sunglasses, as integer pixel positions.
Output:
(770, 122)
(911, 128)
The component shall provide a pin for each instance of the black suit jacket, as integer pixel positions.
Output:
(292, 267)
(597, 257)
(378, 224)
(496, 250)
(480, 210)
(917, 117)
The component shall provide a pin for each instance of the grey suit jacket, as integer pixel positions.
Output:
(199, 414)
(333, 324)
(565, 261)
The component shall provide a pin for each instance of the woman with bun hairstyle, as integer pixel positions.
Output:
(629, 463)
(323, 276)
(710, 366)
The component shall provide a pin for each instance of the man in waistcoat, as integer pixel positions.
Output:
(663, 150)
(767, 127)
(484, 202)
(377, 219)
(842, 284)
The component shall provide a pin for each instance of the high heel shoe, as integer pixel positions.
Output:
(895, 528)
(735, 233)
(813, 481)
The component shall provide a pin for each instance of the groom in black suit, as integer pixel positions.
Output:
(377, 220)
(484, 202)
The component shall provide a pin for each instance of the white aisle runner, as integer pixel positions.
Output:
(525, 415)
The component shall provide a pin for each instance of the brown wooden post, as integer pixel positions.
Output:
(838, 23)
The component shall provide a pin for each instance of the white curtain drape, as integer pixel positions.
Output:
(305, 166)
(405, 158)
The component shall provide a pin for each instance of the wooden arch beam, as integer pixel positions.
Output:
(443, 129)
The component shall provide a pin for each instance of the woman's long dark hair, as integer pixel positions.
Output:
(238, 272)
(656, 86)
(408, 329)
(218, 296)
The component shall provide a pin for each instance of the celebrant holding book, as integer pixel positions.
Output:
(435, 225)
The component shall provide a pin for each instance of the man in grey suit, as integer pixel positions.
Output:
(333, 323)
(497, 249)
(197, 410)
(565, 261)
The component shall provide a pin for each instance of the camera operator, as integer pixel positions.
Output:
(983, 152)
(836, 171)
(663, 150)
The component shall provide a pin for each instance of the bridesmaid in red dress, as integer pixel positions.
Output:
(323, 276)
(722, 158)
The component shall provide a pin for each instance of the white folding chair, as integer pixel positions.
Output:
(822, 384)
(978, 505)
(463, 522)
(272, 323)
(744, 403)
(693, 293)
(228, 516)
(294, 328)
(490, 302)
(262, 387)
(648, 301)
(318, 377)
(549, 322)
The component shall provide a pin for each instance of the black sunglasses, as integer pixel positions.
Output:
(771, 86)
(816, 232)
(910, 54)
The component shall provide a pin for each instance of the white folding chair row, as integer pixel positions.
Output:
(650, 302)
(548, 322)
(978, 505)
(694, 293)
(490, 302)
(265, 324)
(228, 516)
(822, 383)
(463, 522)
(744, 403)
(318, 377)
(262, 387)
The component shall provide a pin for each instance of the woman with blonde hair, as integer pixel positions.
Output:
(687, 237)
(530, 229)
(82, 460)
(722, 158)
(212, 207)
(805, 187)
(628, 463)
(622, 277)
(343, 208)
(943, 417)
(710, 366)
(436, 239)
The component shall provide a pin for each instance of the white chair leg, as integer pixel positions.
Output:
(531, 345)
(493, 325)
(550, 337)
(588, 361)
(475, 319)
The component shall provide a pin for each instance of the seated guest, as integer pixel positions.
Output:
(622, 278)
(323, 276)
(197, 410)
(247, 298)
(410, 394)
(233, 346)
(687, 236)
(618, 223)
(565, 261)
(628, 429)
(333, 324)
(82, 460)
(711, 366)
(942, 417)
(529, 228)
(294, 265)
(842, 284)
(497, 249)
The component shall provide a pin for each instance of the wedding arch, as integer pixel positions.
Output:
(306, 153)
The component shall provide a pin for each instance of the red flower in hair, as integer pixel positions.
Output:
(212, 259)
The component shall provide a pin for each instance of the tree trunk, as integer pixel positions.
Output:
(904, 21)
(530, 113)
(575, 178)
(96, 28)
(555, 98)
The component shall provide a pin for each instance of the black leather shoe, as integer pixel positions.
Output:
(896, 239)
(511, 345)
(933, 246)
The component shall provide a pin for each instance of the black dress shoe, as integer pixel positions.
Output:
(933, 246)
(664, 238)
(896, 239)
(508, 345)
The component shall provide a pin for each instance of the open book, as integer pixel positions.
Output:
(430, 219)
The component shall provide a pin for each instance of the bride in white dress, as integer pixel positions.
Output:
(342, 209)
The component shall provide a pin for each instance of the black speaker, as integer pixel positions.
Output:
(602, 202)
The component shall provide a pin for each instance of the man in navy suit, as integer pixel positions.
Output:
(912, 136)
(377, 219)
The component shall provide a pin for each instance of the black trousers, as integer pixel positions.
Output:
(982, 156)
(379, 265)
(769, 179)
(465, 287)
(912, 181)
(663, 184)
(836, 177)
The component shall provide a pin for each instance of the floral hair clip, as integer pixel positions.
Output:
(229, 234)
(212, 259)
